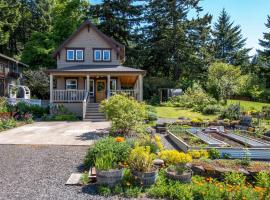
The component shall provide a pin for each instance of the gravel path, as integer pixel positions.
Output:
(40, 172)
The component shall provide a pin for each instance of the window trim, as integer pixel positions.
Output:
(75, 50)
(97, 60)
(68, 50)
(82, 54)
(111, 83)
(92, 93)
(74, 79)
(102, 50)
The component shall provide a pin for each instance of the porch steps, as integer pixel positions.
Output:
(92, 113)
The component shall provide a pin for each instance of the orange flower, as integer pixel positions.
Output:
(119, 139)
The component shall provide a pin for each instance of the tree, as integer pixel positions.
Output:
(10, 17)
(173, 42)
(223, 80)
(38, 83)
(228, 42)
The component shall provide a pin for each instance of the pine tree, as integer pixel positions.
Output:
(264, 54)
(228, 41)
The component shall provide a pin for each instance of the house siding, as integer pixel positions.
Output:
(88, 40)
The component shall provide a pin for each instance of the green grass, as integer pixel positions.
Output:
(176, 112)
(249, 105)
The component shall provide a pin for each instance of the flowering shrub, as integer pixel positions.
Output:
(154, 143)
(173, 157)
(196, 154)
(119, 139)
(141, 159)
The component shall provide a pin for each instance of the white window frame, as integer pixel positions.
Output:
(80, 50)
(103, 57)
(92, 93)
(71, 79)
(100, 51)
(70, 50)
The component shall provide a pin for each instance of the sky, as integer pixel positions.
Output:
(251, 15)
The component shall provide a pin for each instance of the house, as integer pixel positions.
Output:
(89, 70)
(10, 77)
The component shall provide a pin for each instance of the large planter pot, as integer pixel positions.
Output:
(110, 177)
(185, 177)
(146, 178)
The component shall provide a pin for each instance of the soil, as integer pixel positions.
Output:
(232, 143)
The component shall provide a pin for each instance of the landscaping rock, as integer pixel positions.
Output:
(74, 179)
(198, 169)
(158, 162)
(243, 171)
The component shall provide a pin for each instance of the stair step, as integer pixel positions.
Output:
(95, 120)
(94, 114)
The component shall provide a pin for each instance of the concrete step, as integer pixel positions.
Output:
(95, 117)
(94, 114)
(94, 120)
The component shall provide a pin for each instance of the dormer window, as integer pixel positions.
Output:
(102, 55)
(75, 55)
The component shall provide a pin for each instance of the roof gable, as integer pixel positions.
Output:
(119, 48)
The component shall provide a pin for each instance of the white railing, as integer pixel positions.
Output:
(128, 92)
(85, 102)
(14, 101)
(68, 95)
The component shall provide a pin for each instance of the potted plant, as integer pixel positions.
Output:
(142, 166)
(107, 170)
(179, 172)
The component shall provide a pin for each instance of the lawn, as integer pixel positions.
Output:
(176, 112)
(249, 105)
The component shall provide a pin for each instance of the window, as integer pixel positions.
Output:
(75, 55)
(102, 55)
(70, 54)
(106, 55)
(113, 84)
(71, 84)
(79, 55)
(97, 55)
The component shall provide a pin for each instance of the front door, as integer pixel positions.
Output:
(100, 90)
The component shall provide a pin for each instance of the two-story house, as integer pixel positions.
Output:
(89, 70)
(10, 74)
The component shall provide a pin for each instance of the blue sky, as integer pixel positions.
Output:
(251, 15)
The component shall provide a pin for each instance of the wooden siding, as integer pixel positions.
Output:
(87, 40)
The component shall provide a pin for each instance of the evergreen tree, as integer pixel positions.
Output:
(228, 42)
(264, 54)
(175, 45)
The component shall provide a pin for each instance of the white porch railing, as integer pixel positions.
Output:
(14, 101)
(68, 95)
(128, 92)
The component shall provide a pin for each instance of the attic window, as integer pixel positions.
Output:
(102, 55)
(75, 55)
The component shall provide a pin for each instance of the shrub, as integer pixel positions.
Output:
(36, 111)
(234, 178)
(151, 113)
(266, 112)
(109, 144)
(7, 124)
(141, 159)
(3, 105)
(126, 113)
(154, 143)
(85, 178)
(195, 154)
(211, 109)
(194, 97)
(70, 117)
(214, 154)
(232, 112)
(263, 179)
(173, 157)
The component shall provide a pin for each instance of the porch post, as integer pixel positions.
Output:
(108, 86)
(140, 87)
(87, 83)
(51, 88)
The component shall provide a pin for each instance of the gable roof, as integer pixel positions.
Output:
(119, 48)
(13, 60)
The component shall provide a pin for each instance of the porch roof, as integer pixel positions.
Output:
(97, 69)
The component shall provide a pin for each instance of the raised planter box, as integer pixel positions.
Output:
(234, 152)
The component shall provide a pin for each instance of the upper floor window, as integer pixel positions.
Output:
(102, 55)
(75, 55)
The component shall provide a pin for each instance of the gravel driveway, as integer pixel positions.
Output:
(40, 172)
